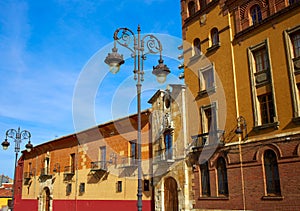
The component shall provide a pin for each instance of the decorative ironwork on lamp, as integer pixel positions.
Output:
(241, 127)
(139, 47)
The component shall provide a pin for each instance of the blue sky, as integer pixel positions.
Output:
(52, 52)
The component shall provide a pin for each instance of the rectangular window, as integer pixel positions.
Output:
(207, 79)
(261, 59)
(119, 186)
(292, 43)
(295, 38)
(102, 163)
(263, 96)
(46, 166)
(168, 145)
(68, 189)
(82, 188)
(266, 104)
(133, 152)
(72, 156)
(209, 123)
(259, 64)
(146, 185)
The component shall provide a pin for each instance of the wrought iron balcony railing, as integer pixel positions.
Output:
(164, 155)
(214, 137)
(28, 175)
(129, 162)
(99, 166)
(69, 170)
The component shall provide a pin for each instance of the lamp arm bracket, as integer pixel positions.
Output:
(151, 44)
(11, 133)
(124, 37)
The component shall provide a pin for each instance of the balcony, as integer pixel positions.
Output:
(164, 155)
(27, 177)
(212, 138)
(99, 166)
(129, 162)
(69, 170)
(45, 174)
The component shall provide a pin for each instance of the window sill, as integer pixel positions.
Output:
(206, 92)
(274, 125)
(213, 198)
(214, 47)
(195, 57)
(277, 198)
(296, 120)
(296, 62)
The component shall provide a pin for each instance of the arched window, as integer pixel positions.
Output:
(196, 47)
(222, 177)
(214, 34)
(272, 173)
(192, 8)
(202, 4)
(255, 13)
(205, 183)
(293, 1)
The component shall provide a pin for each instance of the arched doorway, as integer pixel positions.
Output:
(46, 199)
(171, 194)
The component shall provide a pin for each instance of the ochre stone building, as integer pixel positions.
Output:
(241, 66)
(95, 168)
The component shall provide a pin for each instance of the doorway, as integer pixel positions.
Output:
(171, 194)
(46, 199)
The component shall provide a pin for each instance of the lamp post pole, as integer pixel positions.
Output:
(148, 44)
(17, 136)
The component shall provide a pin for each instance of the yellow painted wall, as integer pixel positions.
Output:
(222, 60)
(232, 66)
(273, 32)
(4, 202)
(98, 186)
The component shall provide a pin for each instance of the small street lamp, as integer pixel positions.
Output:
(17, 136)
(148, 44)
(241, 126)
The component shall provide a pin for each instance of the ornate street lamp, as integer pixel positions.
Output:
(17, 136)
(148, 44)
(241, 127)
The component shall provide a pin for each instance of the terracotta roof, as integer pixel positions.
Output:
(6, 190)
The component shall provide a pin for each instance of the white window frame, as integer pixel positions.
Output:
(202, 83)
(254, 85)
(290, 56)
(204, 125)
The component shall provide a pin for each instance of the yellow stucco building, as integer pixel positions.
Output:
(241, 65)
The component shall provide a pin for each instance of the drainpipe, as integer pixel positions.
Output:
(237, 110)
(185, 144)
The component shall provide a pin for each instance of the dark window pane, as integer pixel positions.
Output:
(205, 183)
(222, 177)
(255, 14)
(272, 173)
